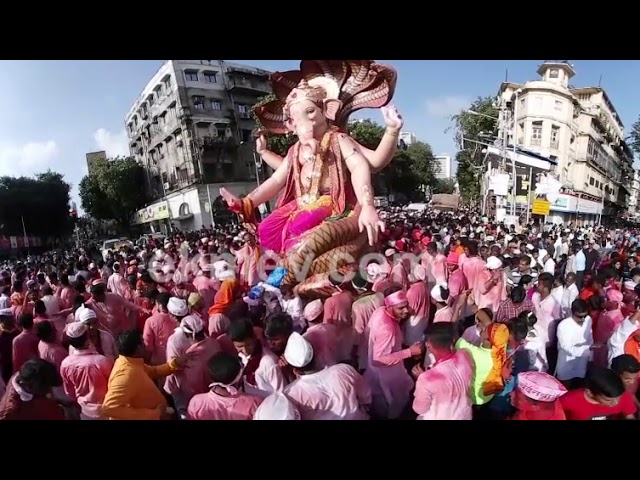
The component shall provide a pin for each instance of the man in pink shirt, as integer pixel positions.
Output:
(111, 309)
(490, 286)
(224, 401)
(323, 337)
(85, 373)
(206, 286)
(159, 327)
(442, 392)
(436, 265)
(368, 302)
(472, 268)
(334, 393)
(457, 282)
(25, 345)
(337, 312)
(388, 379)
(193, 379)
(248, 260)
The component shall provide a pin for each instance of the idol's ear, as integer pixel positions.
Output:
(331, 108)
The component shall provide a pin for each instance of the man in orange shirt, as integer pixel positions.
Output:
(132, 393)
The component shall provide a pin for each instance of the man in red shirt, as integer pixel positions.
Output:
(628, 369)
(604, 398)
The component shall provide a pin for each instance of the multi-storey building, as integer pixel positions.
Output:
(95, 158)
(579, 133)
(443, 166)
(407, 137)
(634, 199)
(191, 128)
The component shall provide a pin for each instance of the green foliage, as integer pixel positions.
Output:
(366, 132)
(446, 185)
(115, 191)
(43, 201)
(409, 170)
(634, 137)
(468, 128)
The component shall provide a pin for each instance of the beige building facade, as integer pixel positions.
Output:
(191, 127)
(580, 132)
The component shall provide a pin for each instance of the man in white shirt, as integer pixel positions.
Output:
(570, 293)
(581, 265)
(575, 343)
(5, 301)
(546, 262)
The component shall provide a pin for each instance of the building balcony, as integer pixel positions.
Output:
(209, 141)
(249, 85)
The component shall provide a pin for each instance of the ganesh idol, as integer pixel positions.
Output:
(325, 218)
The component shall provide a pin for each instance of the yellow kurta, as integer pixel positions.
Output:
(132, 394)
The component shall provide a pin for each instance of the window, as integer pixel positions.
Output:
(210, 77)
(198, 102)
(167, 84)
(244, 111)
(184, 210)
(554, 73)
(536, 134)
(555, 136)
(558, 105)
(216, 105)
(522, 103)
(191, 75)
(592, 181)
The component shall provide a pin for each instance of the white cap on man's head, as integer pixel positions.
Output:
(276, 407)
(299, 352)
(177, 307)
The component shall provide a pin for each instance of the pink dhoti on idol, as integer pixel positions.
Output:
(284, 229)
(325, 175)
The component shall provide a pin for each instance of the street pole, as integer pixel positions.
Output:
(604, 192)
(529, 194)
(257, 162)
(513, 160)
(213, 223)
(24, 232)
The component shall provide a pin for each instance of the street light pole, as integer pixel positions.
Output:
(604, 192)
(515, 152)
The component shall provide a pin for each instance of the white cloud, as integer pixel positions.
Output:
(115, 144)
(446, 106)
(28, 158)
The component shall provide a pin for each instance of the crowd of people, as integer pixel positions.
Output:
(458, 318)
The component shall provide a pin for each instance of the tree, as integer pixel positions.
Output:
(468, 130)
(409, 170)
(446, 185)
(114, 191)
(42, 202)
(634, 137)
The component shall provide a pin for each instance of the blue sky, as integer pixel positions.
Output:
(54, 112)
